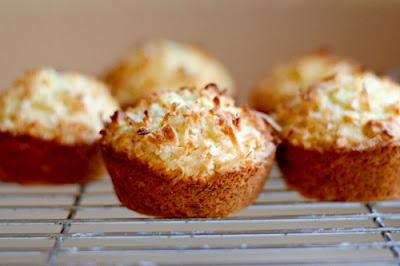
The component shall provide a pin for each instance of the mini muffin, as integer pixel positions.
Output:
(160, 65)
(341, 139)
(190, 153)
(285, 82)
(49, 128)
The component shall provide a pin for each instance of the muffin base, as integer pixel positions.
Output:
(342, 175)
(147, 191)
(28, 160)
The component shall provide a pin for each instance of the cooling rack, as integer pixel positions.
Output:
(86, 225)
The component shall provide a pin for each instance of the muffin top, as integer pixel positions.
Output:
(284, 83)
(191, 132)
(347, 111)
(65, 107)
(161, 65)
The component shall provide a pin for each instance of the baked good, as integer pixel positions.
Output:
(49, 128)
(164, 65)
(286, 80)
(191, 153)
(341, 139)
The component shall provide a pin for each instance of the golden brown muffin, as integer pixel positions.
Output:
(49, 128)
(191, 153)
(165, 65)
(286, 80)
(341, 139)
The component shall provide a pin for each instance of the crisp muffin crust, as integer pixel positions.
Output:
(28, 160)
(343, 175)
(146, 190)
(165, 65)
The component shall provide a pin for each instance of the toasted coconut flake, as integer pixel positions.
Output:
(143, 131)
(394, 108)
(236, 122)
(364, 99)
(173, 107)
(166, 117)
(156, 139)
(217, 102)
(271, 122)
(212, 86)
(169, 133)
(228, 130)
(146, 118)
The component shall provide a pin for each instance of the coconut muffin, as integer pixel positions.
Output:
(286, 80)
(160, 65)
(190, 153)
(49, 127)
(341, 139)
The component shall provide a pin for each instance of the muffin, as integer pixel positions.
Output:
(160, 65)
(49, 128)
(286, 80)
(340, 139)
(188, 153)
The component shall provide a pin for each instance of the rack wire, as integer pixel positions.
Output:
(86, 225)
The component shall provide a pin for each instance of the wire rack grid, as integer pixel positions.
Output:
(86, 225)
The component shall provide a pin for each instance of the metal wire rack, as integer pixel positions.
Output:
(86, 225)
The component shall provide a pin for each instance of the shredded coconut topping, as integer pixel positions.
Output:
(346, 111)
(192, 132)
(165, 65)
(285, 82)
(66, 107)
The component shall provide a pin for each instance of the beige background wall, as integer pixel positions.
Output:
(248, 36)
